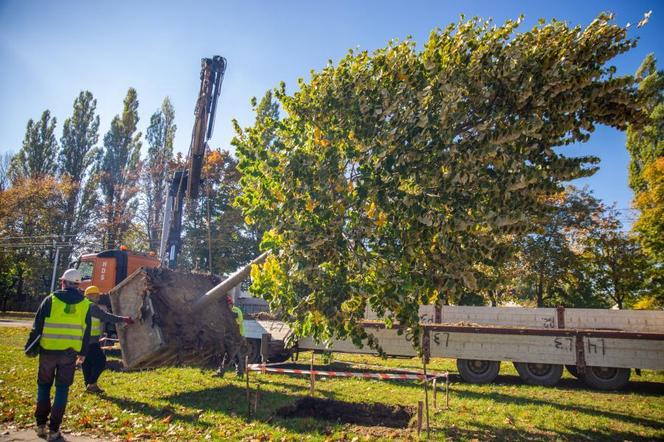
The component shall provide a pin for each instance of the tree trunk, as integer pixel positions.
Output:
(540, 291)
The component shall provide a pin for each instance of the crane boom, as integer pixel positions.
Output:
(187, 182)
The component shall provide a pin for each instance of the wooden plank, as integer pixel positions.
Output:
(604, 352)
(628, 320)
(255, 328)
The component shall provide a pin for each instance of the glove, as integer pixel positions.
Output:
(129, 320)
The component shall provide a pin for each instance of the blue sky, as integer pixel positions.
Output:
(51, 50)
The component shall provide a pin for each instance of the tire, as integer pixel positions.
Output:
(254, 351)
(546, 375)
(606, 378)
(571, 369)
(281, 357)
(477, 371)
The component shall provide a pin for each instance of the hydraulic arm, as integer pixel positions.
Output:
(187, 182)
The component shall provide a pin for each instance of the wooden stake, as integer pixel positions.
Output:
(246, 369)
(435, 393)
(426, 395)
(419, 417)
(257, 395)
(447, 391)
(312, 378)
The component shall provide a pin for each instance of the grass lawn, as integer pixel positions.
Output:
(190, 404)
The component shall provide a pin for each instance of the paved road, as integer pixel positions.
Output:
(15, 322)
(30, 436)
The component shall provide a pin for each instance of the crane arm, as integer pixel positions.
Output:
(187, 182)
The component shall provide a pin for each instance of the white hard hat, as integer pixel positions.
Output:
(71, 275)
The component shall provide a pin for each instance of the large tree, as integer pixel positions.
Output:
(157, 170)
(395, 174)
(119, 172)
(37, 157)
(646, 171)
(78, 152)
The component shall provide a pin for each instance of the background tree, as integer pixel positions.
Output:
(37, 156)
(119, 168)
(5, 164)
(618, 265)
(157, 170)
(552, 261)
(78, 153)
(646, 147)
(233, 243)
(395, 174)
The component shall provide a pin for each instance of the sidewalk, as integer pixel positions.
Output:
(12, 435)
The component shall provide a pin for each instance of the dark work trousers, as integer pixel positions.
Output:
(94, 364)
(58, 367)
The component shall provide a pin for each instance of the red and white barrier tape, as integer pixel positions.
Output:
(348, 374)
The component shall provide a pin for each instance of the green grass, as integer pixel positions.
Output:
(190, 404)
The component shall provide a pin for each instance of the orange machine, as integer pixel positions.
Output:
(107, 269)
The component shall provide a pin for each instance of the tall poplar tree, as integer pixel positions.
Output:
(119, 167)
(157, 170)
(78, 151)
(37, 156)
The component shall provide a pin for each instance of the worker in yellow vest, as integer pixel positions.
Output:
(95, 359)
(60, 336)
(235, 355)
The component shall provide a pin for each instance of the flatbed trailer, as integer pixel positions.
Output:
(599, 346)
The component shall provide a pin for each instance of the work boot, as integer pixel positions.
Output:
(54, 436)
(94, 388)
(41, 431)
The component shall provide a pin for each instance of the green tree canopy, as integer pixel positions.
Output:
(37, 157)
(78, 153)
(157, 169)
(119, 167)
(395, 173)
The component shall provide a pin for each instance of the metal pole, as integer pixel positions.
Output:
(55, 265)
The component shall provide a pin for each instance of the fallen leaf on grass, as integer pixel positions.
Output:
(167, 419)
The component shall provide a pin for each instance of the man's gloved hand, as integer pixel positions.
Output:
(129, 320)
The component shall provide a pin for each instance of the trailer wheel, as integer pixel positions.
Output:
(478, 372)
(606, 378)
(571, 369)
(547, 375)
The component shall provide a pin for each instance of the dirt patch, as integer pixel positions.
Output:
(393, 416)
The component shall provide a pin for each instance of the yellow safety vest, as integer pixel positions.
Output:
(64, 328)
(239, 318)
(95, 327)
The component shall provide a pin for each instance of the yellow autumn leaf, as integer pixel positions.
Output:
(381, 220)
(310, 205)
(372, 210)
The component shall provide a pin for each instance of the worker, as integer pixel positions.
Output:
(95, 360)
(237, 313)
(60, 336)
(237, 353)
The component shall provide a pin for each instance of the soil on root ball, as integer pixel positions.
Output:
(394, 416)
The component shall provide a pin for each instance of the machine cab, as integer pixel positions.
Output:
(109, 268)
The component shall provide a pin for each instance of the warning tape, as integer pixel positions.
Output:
(348, 374)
